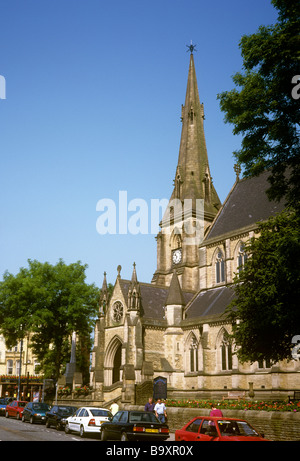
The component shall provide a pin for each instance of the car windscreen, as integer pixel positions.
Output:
(22, 404)
(139, 417)
(40, 406)
(66, 411)
(234, 428)
(103, 413)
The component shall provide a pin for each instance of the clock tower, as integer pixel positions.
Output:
(194, 201)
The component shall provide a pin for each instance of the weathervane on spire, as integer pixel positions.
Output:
(191, 47)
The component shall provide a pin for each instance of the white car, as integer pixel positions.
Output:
(87, 420)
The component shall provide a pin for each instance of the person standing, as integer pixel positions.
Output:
(114, 408)
(160, 411)
(150, 405)
(215, 411)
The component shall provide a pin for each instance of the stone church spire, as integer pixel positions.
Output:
(194, 202)
(193, 179)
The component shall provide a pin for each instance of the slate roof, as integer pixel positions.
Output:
(246, 205)
(210, 303)
(204, 305)
(153, 299)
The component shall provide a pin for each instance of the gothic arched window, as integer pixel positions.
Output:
(241, 257)
(220, 267)
(193, 355)
(226, 353)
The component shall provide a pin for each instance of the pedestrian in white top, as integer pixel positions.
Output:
(114, 408)
(160, 411)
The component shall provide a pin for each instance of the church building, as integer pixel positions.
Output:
(174, 327)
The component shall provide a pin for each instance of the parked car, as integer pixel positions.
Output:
(35, 412)
(15, 409)
(58, 415)
(210, 428)
(134, 425)
(87, 420)
(3, 402)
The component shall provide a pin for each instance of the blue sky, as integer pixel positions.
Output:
(93, 101)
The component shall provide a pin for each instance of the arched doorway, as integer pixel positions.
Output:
(113, 362)
(117, 364)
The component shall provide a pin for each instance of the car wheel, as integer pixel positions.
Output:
(23, 419)
(81, 432)
(18, 416)
(124, 437)
(103, 436)
(47, 424)
(31, 420)
(67, 429)
(6, 414)
(58, 427)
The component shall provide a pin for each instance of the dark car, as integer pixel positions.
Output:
(58, 414)
(134, 425)
(35, 412)
(3, 402)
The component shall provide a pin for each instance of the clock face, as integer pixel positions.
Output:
(177, 256)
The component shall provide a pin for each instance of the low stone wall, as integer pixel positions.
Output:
(79, 402)
(276, 426)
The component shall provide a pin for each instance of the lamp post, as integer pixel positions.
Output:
(20, 366)
(20, 369)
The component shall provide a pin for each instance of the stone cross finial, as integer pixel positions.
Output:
(237, 168)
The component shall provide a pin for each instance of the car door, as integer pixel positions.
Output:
(83, 418)
(121, 424)
(9, 409)
(27, 411)
(73, 422)
(52, 414)
(14, 409)
(191, 432)
(112, 428)
(208, 431)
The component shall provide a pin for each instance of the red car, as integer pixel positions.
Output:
(209, 428)
(15, 408)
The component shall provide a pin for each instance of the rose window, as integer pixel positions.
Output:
(117, 313)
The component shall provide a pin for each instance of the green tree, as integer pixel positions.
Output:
(265, 313)
(50, 302)
(264, 108)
